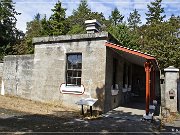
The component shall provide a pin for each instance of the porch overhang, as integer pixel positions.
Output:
(143, 59)
(134, 56)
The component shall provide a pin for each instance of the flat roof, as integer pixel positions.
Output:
(67, 38)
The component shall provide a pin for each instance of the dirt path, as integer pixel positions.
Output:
(18, 115)
(29, 106)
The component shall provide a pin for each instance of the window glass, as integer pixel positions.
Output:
(73, 69)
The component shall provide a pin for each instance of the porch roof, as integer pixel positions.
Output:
(134, 56)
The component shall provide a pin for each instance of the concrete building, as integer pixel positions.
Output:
(67, 68)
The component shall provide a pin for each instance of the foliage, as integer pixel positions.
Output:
(134, 19)
(157, 37)
(9, 35)
(161, 40)
(125, 36)
(116, 17)
(79, 16)
(154, 12)
(57, 22)
(37, 27)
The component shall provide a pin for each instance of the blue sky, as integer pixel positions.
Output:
(28, 8)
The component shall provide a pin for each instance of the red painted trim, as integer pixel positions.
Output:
(124, 49)
(147, 67)
(71, 93)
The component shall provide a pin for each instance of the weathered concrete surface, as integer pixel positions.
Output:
(1, 69)
(49, 67)
(1, 73)
(67, 38)
(113, 101)
(171, 79)
(17, 75)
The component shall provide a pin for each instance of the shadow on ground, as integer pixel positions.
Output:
(69, 122)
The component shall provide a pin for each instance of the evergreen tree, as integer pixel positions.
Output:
(9, 35)
(36, 28)
(33, 29)
(116, 17)
(174, 23)
(125, 36)
(45, 31)
(80, 15)
(154, 12)
(134, 19)
(57, 21)
(161, 40)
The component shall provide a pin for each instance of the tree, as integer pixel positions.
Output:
(154, 12)
(45, 31)
(35, 28)
(57, 21)
(80, 15)
(125, 36)
(9, 35)
(116, 17)
(161, 40)
(134, 19)
(174, 23)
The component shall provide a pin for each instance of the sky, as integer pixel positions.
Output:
(29, 8)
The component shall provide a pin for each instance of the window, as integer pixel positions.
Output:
(73, 69)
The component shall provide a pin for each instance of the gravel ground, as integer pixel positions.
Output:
(19, 116)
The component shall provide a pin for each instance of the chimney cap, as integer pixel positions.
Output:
(92, 26)
(92, 21)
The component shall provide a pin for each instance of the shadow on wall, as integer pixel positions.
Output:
(100, 94)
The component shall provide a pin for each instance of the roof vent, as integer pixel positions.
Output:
(92, 26)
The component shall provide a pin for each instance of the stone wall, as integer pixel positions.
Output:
(1, 73)
(171, 85)
(112, 101)
(50, 63)
(17, 75)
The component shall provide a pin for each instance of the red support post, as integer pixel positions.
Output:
(147, 66)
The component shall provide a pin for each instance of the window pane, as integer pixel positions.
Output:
(78, 81)
(68, 80)
(79, 66)
(69, 73)
(79, 74)
(74, 74)
(69, 66)
(73, 81)
(74, 65)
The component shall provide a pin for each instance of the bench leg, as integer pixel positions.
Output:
(91, 110)
(82, 110)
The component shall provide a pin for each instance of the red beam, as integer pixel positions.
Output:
(147, 66)
(124, 49)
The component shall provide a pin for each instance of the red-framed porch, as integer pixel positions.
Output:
(150, 66)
